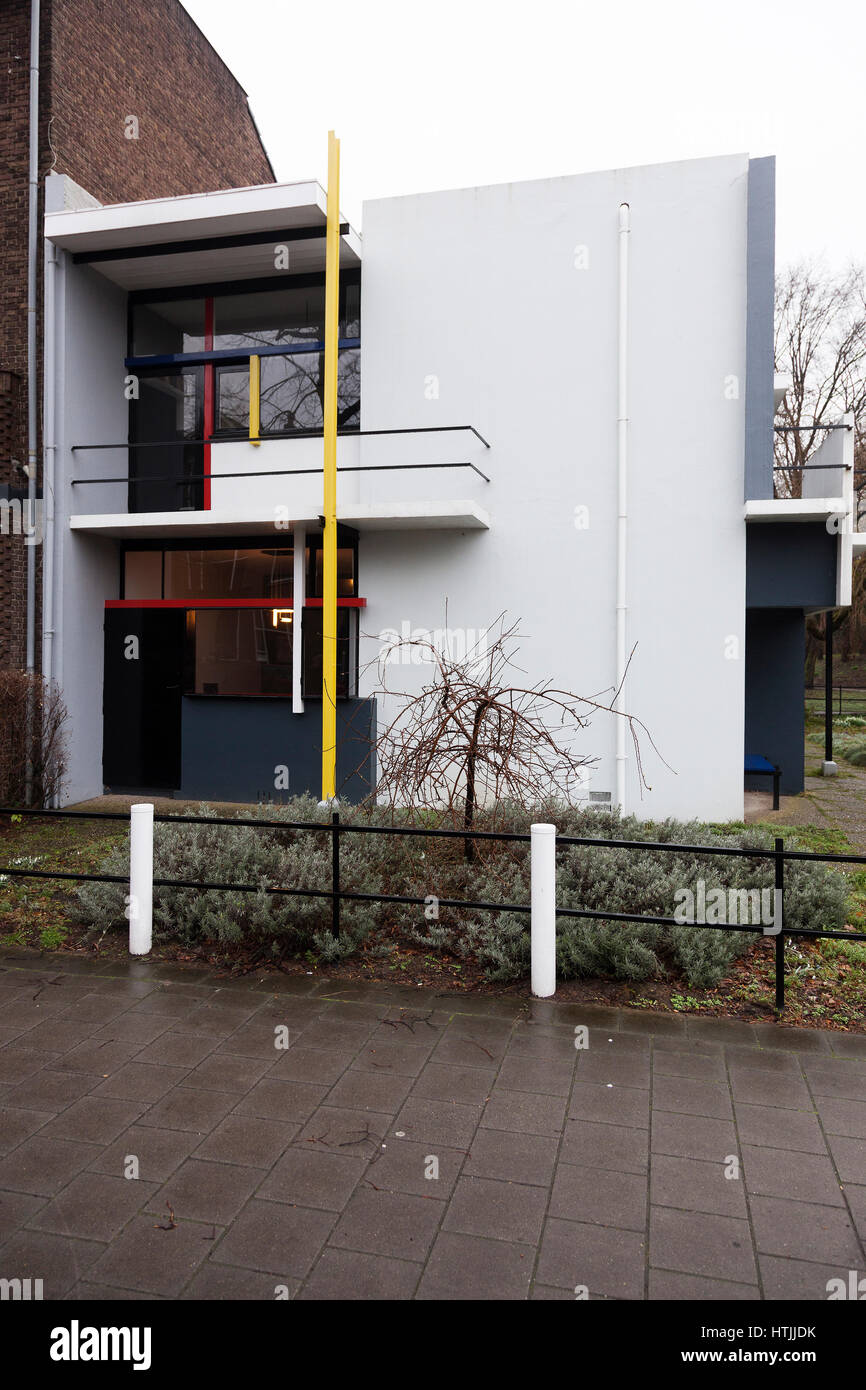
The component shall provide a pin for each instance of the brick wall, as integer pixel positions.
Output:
(101, 61)
(111, 60)
(14, 89)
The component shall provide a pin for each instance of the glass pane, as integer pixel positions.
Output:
(291, 393)
(266, 573)
(293, 388)
(233, 398)
(349, 389)
(350, 311)
(175, 326)
(345, 571)
(142, 574)
(269, 318)
(166, 413)
(243, 651)
(288, 314)
(312, 644)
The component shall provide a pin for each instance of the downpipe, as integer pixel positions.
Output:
(622, 422)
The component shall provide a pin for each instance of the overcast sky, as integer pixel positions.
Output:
(429, 94)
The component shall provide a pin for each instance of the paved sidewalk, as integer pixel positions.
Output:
(412, 1145)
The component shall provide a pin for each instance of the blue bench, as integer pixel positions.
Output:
(762, 767)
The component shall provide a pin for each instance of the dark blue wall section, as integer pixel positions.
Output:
(232, 747)
(775, 657)
(790, 564)
(760, 289)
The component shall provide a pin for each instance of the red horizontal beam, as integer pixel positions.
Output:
(224, 603)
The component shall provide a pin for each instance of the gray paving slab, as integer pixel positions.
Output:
(167, 1134)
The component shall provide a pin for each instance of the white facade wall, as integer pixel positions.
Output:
(497, 307)
(507, 296)
(92, 408)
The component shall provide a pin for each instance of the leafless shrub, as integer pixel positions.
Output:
(475, 735)
(32, 720)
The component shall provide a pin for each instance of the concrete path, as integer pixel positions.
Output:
(159, 1141)
(832, 803)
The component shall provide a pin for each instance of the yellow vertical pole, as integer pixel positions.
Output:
(329, 509)
(255, 399)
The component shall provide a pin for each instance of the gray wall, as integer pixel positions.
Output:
(232, 747)
(790, 564)
(760, 298)
(775, 654)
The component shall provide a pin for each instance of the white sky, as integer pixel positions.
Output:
(428, 94)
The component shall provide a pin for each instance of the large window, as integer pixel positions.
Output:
(197, 396)
(265, 572)
(218, 573)
(241, 643)
(239, 651)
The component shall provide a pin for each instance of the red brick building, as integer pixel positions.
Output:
(102, 62)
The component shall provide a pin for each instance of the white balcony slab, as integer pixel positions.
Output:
(795, 508)
(460, 515)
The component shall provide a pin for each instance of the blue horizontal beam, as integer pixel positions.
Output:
(193, 359)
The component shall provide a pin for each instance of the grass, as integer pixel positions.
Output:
(818, 839)
(37, 912)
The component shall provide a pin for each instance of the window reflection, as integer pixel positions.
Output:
(242, 651)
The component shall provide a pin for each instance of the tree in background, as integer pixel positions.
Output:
(820, 346)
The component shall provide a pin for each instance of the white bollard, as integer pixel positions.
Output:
(543, 901)
(140, 878)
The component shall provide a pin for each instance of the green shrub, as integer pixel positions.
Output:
(596, 877)
(265, 858)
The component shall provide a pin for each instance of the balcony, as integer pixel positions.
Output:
(388, 479)
(826, 497)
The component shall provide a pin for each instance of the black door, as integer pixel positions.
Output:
(168, 413)
(141, 703)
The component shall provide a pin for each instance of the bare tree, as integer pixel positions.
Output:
(821, 348)
(476, 734)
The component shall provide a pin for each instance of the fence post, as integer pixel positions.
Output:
(779, 913)
(335, 874)
(140, 878)
(543, 902)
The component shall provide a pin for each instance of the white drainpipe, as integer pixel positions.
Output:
(32, 362)
(49, 460)
(622, 503)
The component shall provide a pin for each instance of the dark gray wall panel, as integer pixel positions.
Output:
(775, 656)
(231, 748)
(790, 564)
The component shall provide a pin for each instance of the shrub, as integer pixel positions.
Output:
(263, 858)
(26, 700)
(597, 877)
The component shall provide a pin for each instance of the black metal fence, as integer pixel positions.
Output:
(846, 699)
(335, 828)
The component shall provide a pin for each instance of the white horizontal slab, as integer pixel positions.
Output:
(397, 516)
(795, 508)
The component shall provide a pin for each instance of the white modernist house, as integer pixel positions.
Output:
(556, 402)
